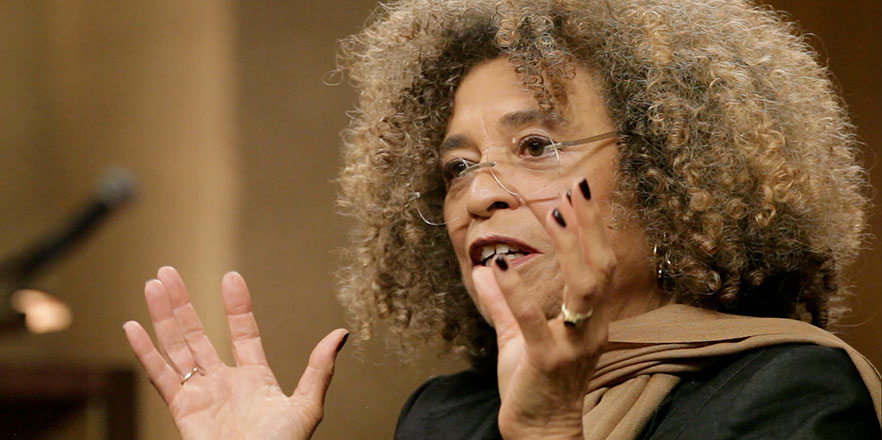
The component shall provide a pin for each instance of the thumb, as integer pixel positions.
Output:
(492, 302)
(316, 379)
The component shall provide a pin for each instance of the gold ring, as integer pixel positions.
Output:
(189, 375)
(574, 319)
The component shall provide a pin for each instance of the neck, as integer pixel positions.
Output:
(632, 305)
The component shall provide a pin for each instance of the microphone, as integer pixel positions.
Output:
(115, 188)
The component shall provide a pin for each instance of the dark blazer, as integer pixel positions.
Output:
(788, 391)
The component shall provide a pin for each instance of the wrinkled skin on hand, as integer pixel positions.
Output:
(220, 401)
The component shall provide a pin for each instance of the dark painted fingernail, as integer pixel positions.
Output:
(558, 218)
(500, 261)
(583, 185)
(570, 196)
(342, 342)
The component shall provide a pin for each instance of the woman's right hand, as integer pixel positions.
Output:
(219, 401)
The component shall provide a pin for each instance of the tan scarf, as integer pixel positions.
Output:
(645, 354)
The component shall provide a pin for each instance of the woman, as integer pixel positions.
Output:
(596, 180)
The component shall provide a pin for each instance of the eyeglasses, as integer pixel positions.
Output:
(530, 169)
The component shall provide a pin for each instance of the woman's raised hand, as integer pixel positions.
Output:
(544, 366)
(209, 399)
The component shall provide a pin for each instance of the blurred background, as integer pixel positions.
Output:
(222, 112)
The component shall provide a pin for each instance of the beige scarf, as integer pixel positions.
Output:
(645, 354)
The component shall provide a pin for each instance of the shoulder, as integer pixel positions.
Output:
(786, 391)
(462, 405)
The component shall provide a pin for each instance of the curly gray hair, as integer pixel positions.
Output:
(738, 158)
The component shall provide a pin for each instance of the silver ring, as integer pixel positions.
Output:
(574, 319)
(189, 375)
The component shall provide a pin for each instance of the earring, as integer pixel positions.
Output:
(660, 266)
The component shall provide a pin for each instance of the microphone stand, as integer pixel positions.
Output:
(19, 271)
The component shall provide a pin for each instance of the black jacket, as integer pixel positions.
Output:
(788, 391)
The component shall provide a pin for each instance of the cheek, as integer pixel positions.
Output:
(538, 211)
(457, 237)
(600, 170)
(634, 265)
(545, 285)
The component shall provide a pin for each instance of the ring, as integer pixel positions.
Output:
(189, 375)
(573, 319)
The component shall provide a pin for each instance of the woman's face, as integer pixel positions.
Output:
(492, 110)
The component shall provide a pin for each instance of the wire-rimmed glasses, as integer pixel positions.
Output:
(530, 170)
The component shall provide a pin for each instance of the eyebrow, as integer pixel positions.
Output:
(453, 142)
(524, 117)
(512, 120)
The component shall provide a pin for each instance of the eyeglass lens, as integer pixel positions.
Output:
(528, 174)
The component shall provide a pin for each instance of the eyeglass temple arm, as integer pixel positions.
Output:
(595, 138)
(476, 167)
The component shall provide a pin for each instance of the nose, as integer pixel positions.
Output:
(485, 195)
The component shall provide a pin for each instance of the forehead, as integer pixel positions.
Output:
(492, 98)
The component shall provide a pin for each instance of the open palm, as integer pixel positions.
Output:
(218, 401)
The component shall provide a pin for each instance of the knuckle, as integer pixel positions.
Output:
(313, 412)
(589, 292)
(528, 315)
(192, 333)
(584, 286)
(610, 264)
(177, 346)
(592, 216)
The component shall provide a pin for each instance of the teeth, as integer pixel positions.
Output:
(487, 252)
(500, 249)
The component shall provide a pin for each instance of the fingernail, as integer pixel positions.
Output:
(342, 342)
(583, 185)
(558, 218)
(500, 261)
(570, 196)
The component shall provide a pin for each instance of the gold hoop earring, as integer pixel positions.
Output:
(660, 265)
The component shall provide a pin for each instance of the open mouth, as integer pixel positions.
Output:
(484, 250)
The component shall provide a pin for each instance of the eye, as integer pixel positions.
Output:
(533, 145)
(451, 170)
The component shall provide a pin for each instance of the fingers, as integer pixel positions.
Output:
(593, 232)
(203, 352)
(314, 383)
(180, 333)
(529, 317)
(492, 303)
(164, 378)
(579, 233)
(169, 336)
(247, 347)
(579, 278)
(511, 309)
